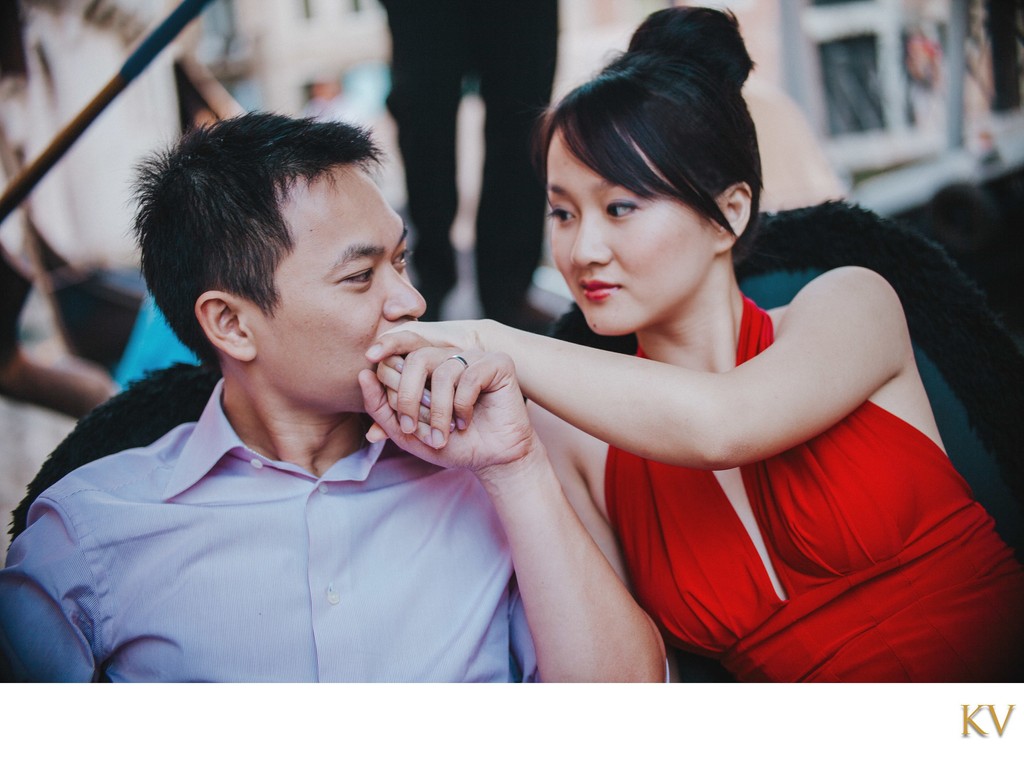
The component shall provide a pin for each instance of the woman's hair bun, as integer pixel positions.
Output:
(702, 37)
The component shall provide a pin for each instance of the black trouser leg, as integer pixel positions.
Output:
(427, 68)
(517, 67)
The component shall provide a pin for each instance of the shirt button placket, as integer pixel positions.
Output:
(333, 597)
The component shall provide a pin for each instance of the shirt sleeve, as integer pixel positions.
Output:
(522, 654)
(47, 603)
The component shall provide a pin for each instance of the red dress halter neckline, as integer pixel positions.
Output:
(892, 571)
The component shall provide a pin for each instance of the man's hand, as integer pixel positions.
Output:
(585, 624)
(472, 416)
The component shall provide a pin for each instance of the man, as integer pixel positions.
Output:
(271, 540)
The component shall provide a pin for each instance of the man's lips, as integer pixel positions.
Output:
(596, 290)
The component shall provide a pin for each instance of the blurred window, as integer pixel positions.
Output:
(850, 71)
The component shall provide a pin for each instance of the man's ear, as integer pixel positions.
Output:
(223, 317)
(735, 204)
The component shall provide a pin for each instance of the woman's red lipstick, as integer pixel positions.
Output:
(596, 290)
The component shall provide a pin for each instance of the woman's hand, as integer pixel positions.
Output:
(462, 335)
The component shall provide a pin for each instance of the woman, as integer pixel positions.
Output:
(776, 480)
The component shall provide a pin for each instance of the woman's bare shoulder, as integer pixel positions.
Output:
(847, 296)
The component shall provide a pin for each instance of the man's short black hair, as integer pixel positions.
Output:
(209, 208)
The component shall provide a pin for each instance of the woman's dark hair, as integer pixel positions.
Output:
(209, 209)
(667, 117)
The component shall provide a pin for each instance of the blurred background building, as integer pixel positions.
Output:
(909, 107)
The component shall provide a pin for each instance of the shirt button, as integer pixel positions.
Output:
(332, 596)
(256, 464)
(323, 489)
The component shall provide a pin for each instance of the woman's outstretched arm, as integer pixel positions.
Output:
(842, 340)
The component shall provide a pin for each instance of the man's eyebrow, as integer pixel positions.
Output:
(358, 251)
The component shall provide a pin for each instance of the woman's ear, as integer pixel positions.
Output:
(735, 204)
(223, 317)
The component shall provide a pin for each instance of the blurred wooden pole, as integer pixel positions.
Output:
(157, 40)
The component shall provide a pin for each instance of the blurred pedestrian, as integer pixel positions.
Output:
(438, 49)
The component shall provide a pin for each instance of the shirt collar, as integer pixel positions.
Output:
(213, 437)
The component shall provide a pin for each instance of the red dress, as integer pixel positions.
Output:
(893, 571)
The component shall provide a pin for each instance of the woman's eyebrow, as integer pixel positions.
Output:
(600, 184)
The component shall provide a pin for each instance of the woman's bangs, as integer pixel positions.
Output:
(595, 131)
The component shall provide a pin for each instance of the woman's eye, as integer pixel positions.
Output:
(402, 259)
(558, 214)
(618, 210)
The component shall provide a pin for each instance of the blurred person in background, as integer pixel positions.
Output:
(438, 50)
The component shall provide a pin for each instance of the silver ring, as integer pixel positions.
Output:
(457, 357)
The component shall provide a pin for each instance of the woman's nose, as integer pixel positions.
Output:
(590, 246)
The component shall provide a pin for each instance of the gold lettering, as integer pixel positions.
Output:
(969, 720)
(995, 719)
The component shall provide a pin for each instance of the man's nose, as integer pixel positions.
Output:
(403, 301)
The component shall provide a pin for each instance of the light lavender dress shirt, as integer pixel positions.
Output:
(196, 559)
